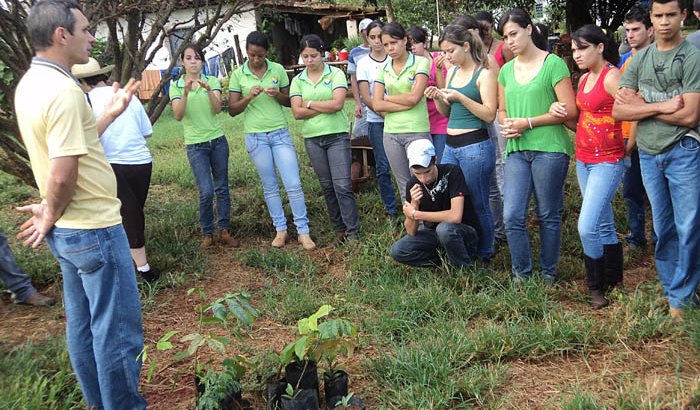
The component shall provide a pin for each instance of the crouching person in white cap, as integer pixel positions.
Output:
(439, 197)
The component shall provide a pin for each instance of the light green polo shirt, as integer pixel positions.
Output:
(414, 119)
(322, 124)
(263, 113)
(199, 121)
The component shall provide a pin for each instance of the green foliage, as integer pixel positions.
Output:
(222, 385)
(323, 340)
(38, 376)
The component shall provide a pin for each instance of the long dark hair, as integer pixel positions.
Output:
(592, 34)
(194, 47)
(521, 18)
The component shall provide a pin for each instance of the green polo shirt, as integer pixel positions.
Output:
(199, 121)
(414, 119)
(322, 124)
(263, 113)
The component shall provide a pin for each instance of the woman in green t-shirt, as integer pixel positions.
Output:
(196, 99)
(398, 92)
(539, 146)
(317, 97)
(258, 89)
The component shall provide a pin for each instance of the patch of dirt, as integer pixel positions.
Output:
(647, 373)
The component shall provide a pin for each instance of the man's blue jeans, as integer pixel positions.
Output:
(11, 274)
(477, 162)
(331, 159)
(671, 181)
(596, 223)
(275, 149)
(209, 164)
(458, 240)
(544, 174)
(103, 314)
(496, 185)
(634, 193)
(382, 168)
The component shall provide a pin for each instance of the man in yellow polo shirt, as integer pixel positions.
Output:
(79, 212)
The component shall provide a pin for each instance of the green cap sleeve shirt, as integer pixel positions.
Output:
(533, 99)
(414, 119)
(263, 113)
(199, 122)
(322, 124)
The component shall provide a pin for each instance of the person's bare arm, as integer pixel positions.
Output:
(412, 98)
(687, 115)
(565, 95)
(488, 90)
(328, 106)
(356, 95)
(381, 104)
(60, 189)
(630, 106)
(452, 215)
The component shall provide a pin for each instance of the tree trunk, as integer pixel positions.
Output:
(389, 11)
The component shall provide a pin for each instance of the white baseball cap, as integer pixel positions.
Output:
(363, 24)
(420, 152)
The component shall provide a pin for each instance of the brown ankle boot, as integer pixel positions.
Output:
(226, 238)
(280, 239)
(306, 241)
(207, 241)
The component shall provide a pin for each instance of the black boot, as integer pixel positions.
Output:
(596, 286)
(612, 276)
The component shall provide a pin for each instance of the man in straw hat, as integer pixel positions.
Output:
(79, 212)
(124, 143)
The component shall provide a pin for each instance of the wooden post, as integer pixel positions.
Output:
(241, 60)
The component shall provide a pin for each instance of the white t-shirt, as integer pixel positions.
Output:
(367, 69)
(124, 140)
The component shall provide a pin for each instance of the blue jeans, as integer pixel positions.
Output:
(382, 168)
(671, 181)
(477, 162)
(439, 142)
(331, 158)
(11, 274)
(544, 174)
(209, 163)
(634, 193)
(596, 224)
(458, 241)
(103, 314)
(496, 184)
(273, 149)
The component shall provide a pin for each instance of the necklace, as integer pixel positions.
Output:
(439, 187)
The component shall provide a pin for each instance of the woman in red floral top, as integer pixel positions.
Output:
(599, 152)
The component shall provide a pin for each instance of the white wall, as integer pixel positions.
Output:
(240, 24)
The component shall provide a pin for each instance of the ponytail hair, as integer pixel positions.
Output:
(592, 34)
(311, 41)
(396, 30)
(522, 18)
(459, 35)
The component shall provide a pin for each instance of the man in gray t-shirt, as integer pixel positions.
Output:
(661, 90)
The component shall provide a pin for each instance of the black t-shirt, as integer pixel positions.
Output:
(437, 196)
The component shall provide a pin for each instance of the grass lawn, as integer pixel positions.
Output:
(429, 338)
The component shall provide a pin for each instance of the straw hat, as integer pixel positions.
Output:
(90, 69)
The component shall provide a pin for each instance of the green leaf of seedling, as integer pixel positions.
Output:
(300, 347)
(210, 319)
(151, 369)
(216, 345)
(196, 340)
(180, 356)
(310, 324)
(239, 312)
(287, 353)
(219, 312)
(143, 355)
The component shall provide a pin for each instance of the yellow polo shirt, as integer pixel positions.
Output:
(55, 120)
